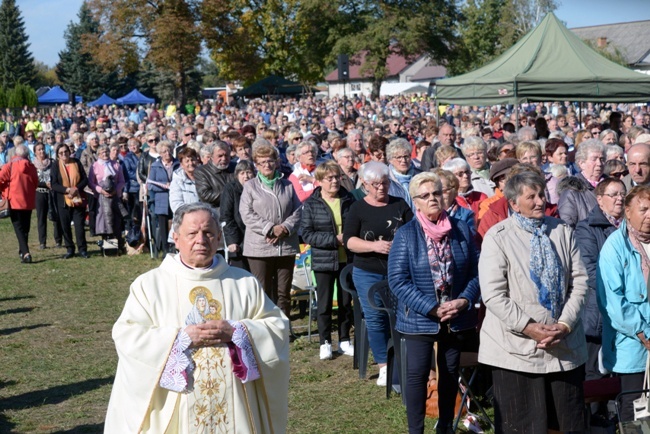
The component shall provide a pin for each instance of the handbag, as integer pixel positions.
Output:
(641, 404)
(4, 208)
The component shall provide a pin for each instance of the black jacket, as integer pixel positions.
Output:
(210, 180)
(319, 230)
(229, 213)
(144, 165)
(590, 235)
(57, 182)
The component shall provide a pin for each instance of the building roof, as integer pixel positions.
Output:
(632, 39)
(429, 72)
(395, 63)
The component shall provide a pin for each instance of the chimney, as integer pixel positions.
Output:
(602, 42)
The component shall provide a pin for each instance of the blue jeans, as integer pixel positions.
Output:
(376, 320)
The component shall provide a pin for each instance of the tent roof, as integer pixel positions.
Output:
(272, 85)
(550, 63)
(56, 95)
(135, 97)
(102, 100)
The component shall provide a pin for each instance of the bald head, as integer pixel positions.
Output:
(638, 163)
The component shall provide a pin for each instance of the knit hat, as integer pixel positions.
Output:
(501, 167)
(494, 120)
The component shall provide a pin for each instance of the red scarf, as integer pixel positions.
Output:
(437, 231)
(309, 168)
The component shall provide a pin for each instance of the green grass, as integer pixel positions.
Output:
(57, 358)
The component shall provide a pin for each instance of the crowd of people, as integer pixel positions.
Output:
(532, 225)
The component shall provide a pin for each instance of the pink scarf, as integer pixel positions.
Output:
(437, 231)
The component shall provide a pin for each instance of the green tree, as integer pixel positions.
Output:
(22, 95)
(45, 76)
(77, 70)
(409, 28)
(16, 61)
(610, 51)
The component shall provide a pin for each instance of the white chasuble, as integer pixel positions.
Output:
(166, 300)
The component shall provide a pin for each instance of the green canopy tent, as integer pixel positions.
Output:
(273, 85)
(550, 63)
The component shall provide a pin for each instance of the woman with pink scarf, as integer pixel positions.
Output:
(433, 272)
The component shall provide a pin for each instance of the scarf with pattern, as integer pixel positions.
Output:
(637, 238)
(546, 270)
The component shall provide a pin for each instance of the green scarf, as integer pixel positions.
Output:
(268, 183)
(484, 172)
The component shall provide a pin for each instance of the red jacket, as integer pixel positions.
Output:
(18, 182)
(471, 201)
(498, 211)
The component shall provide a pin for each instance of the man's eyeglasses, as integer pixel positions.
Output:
(189, 134)
(620, 194)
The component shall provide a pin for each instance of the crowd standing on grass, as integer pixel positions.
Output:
(470, 214)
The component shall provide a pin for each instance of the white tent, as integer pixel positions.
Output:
(390, 89)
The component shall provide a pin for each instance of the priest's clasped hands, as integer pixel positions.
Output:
(210, 333)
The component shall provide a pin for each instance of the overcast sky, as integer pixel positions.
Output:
(46, 20)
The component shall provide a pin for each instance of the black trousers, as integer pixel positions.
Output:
(78, 216)
(92, 214)
(325, 290)
(162, 233)
(534, 403)
(420, 360)
(134, 208)
(630, 382)
(21, 220)
(43, 205)
(275, 274)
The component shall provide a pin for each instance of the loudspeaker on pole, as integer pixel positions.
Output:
(344, 67)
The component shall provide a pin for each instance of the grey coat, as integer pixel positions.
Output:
(261, 209)
(577, 199)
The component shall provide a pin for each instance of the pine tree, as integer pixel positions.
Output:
(16, 61)
(77, 70)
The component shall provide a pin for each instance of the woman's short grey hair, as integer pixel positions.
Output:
(301, 147)
(92, 136)
(613, 150)
(153, 133)
(259, 141)
(101, 148)
(165, 144)
(344, 151)
(290, 149)
(587, 147)
(190, 208)
(206, 150)
(398, 145)
(22, 151)
(373, 171)
(352, 133)
(472, 143)
(423, 178)
(516, 183)
(604, 133)
(243, 166)
(333, 136)
(456, 164)
(527, 133)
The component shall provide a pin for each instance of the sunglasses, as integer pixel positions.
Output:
(190, 134)
(153, 141)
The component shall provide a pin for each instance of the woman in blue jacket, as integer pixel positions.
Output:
(158, 183)
(433, 272)
(623, 273)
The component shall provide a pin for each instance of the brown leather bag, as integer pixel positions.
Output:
(432, 394)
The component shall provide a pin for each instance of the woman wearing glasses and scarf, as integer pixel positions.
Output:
(433, 272)
(534, 284)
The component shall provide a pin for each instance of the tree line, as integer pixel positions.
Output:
(160, 46)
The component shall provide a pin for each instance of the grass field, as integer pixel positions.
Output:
(57, 358)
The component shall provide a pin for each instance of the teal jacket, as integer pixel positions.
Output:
(623, 301)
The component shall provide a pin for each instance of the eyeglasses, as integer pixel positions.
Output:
(402, 157)
(189, 134)
(297, 138)
(153, 140)
(463, 173)
(618, 174)
(332, 178)
(265, 163)
(474, 154)
(620, 194)
(63, 153)
(429, 195)
(385, 183)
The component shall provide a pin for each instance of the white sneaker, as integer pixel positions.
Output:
(346, 348)
(326, 351)
(381, 380)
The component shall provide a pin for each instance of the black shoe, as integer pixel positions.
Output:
(84, 255)
(27, 258)
(69, 254)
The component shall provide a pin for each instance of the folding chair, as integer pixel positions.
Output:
(302, 285)
(361, 345)
(396, 347)
(466, 377)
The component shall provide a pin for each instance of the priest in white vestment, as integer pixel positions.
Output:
(201, 348)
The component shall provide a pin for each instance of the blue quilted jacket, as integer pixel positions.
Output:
(409, 277)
